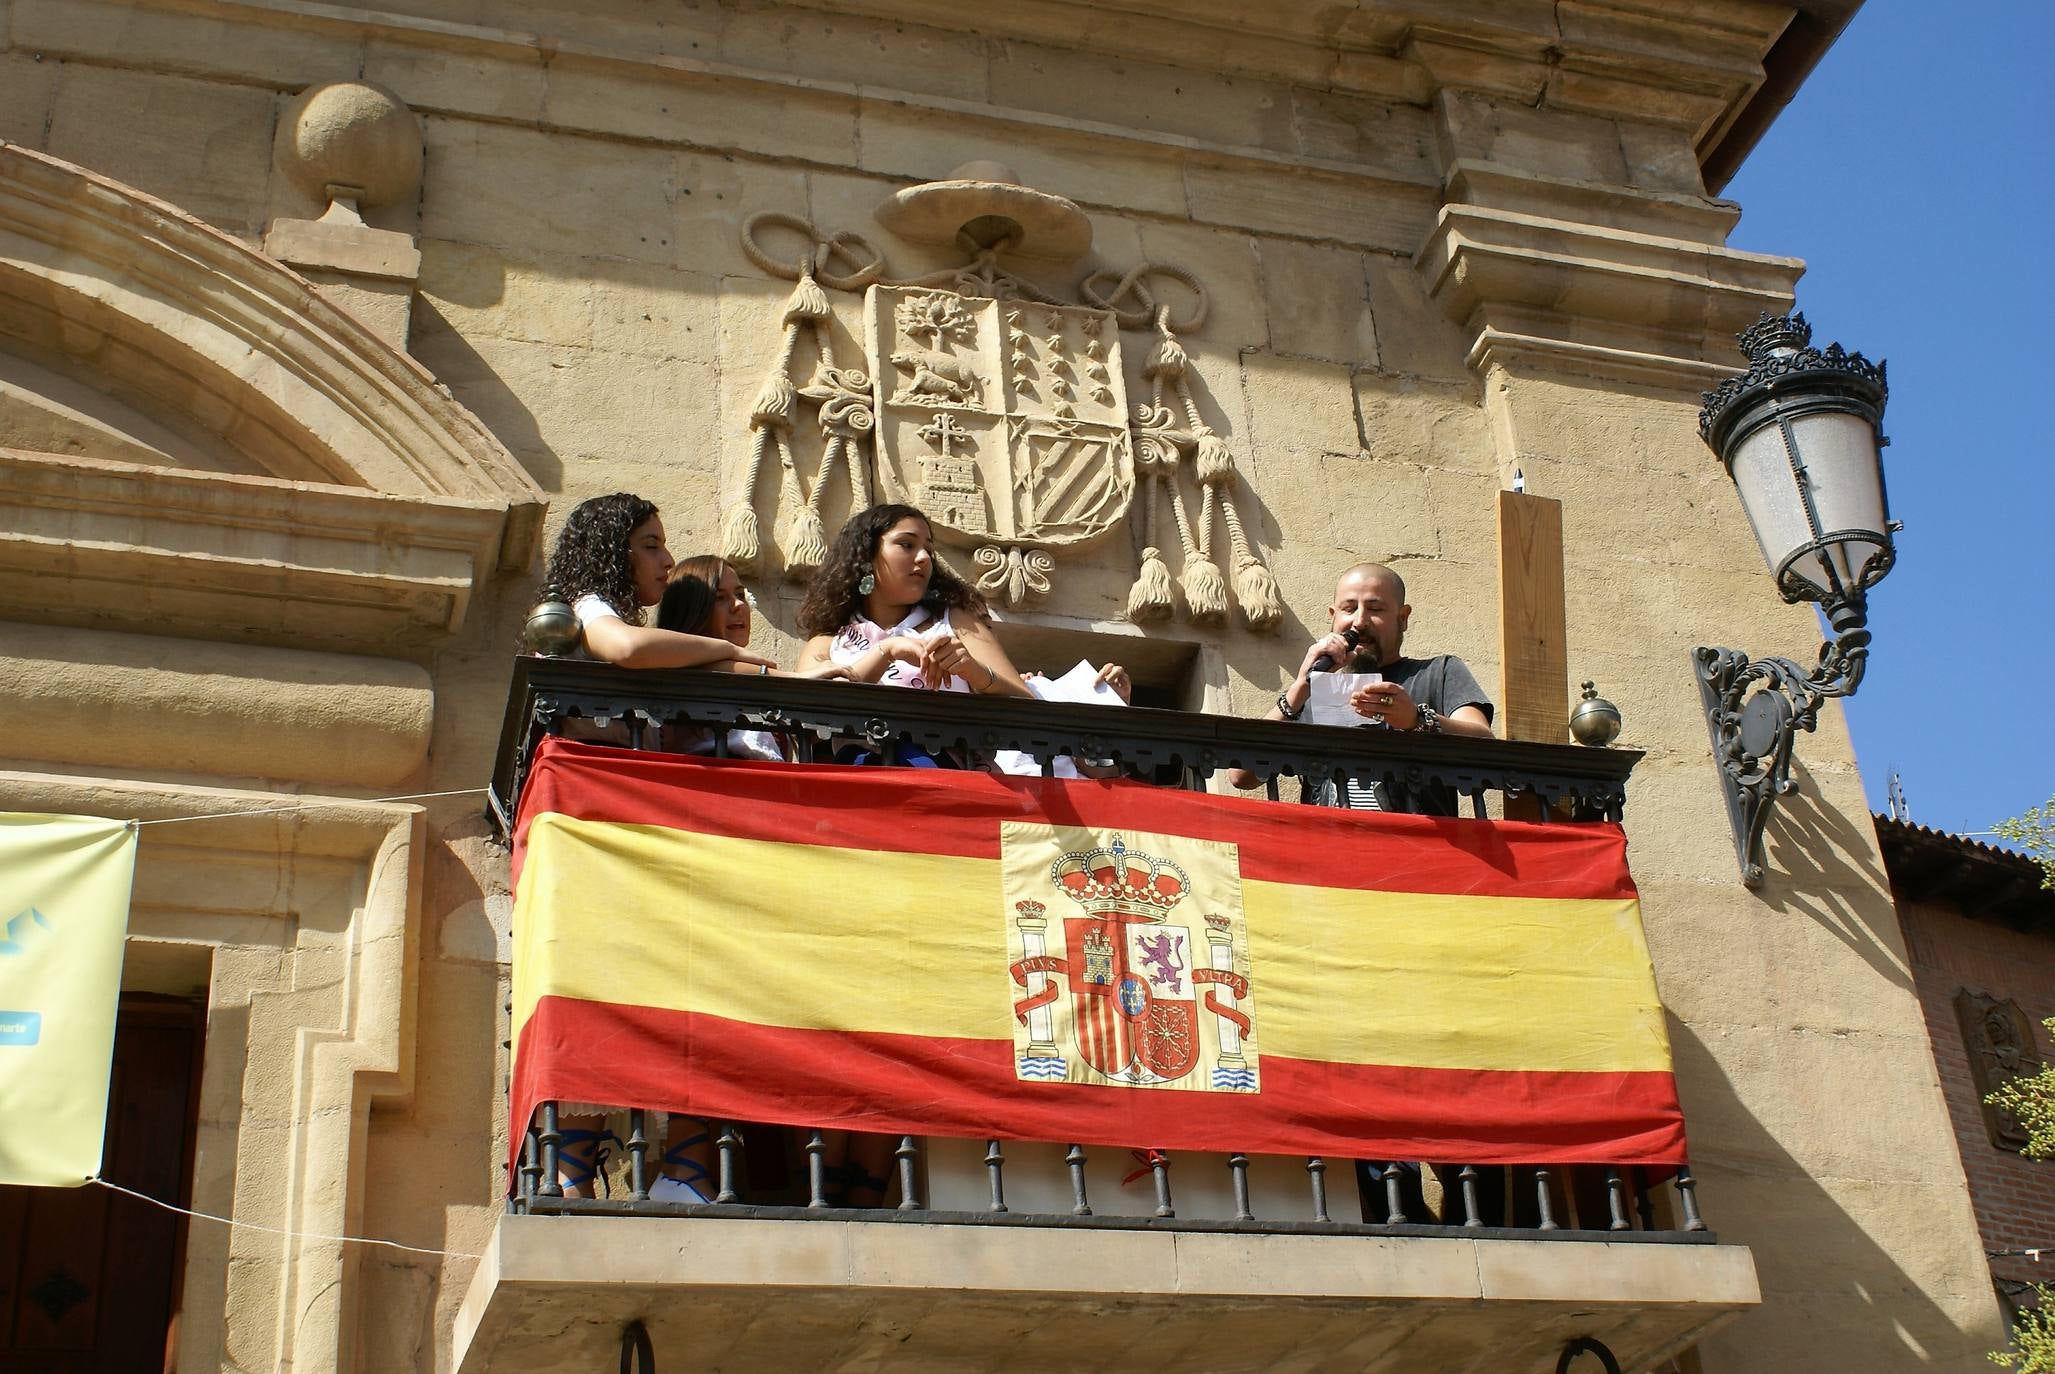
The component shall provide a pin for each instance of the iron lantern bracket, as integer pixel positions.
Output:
(1754, 709)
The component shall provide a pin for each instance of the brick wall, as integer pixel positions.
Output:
(2014, 1196)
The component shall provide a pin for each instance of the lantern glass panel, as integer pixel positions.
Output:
(1769, 493)
(1841, 463)
(1838, 453)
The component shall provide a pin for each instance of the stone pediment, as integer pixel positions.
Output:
(263, 465)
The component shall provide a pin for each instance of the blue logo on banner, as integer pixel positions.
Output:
(20, 1027)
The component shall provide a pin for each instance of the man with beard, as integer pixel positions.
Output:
(1366, 633)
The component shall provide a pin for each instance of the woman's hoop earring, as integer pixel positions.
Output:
(866, 584)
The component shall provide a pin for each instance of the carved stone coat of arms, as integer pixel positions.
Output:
(1006, 421)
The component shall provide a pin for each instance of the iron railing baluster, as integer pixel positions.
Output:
(1075, 1158)
(1393, 1202)
(816, 1169)
(1687, 1194)
(1159, 1165)
(995, 1165)
(908, 1154)
(1316, 1175)
(1467, 1177)
(550, 1138)
(1616, 1199)
(1544, 1199)
(638, 1155)
(1238, 1175)
(728, 1145)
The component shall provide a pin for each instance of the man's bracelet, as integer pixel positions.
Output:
(1284, 706)
(1430, 719)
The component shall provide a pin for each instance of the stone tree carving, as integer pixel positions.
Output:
(999, 408)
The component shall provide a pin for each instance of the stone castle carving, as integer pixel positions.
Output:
(999, 409)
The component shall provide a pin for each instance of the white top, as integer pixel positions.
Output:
(861, 635)
(742, 744)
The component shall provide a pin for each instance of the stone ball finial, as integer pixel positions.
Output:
(351, 134)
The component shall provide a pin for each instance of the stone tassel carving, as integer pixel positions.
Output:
(1157, 430)
(1155, 460)
(842, 396)
(770, 421)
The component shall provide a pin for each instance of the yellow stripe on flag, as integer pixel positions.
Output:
(914, 944)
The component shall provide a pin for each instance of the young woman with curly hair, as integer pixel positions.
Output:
(609, 563)
(882, 606)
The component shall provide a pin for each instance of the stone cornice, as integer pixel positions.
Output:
(1697, 69)
(166, 310)
(253, 559)
(1597, 301)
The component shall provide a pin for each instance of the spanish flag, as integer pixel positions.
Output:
(914, 951)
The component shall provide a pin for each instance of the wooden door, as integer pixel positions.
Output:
(89, 1279)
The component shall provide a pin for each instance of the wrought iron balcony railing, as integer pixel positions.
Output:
(1178, 748)
(963, 1182)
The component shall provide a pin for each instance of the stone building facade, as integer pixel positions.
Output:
(293, 387)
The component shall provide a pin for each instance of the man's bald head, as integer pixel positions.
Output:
(1379, 572)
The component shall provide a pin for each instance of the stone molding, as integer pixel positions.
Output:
(177, 706)
(222, 556)
(1589, 299)
(169, 312)
(1603, 58)
(1693, 68)
(312, 926)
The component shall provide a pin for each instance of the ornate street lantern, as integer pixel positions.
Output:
(1801, 436)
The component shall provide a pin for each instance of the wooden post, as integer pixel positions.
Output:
(1534, 701)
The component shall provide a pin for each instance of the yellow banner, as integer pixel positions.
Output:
(64, 889)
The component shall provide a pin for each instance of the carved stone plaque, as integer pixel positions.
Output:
(1999, 1037)
(1006, 421)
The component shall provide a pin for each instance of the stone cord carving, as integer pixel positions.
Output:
(1001, 410)
(1999, 1038)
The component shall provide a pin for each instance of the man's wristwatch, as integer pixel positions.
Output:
(1284, 706)
(1430, 719)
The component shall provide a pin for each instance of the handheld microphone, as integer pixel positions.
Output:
(1325, 663)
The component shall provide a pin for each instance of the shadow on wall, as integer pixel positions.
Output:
(441, 348)
(1823, 864)
(1814, 1258)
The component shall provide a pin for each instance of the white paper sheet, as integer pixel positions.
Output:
(1081, 684)
(1328, 704)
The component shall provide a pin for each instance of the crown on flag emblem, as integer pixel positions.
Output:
(1114, 879)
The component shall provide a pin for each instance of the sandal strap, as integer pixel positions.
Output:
(675, 1157)
(578, 1169)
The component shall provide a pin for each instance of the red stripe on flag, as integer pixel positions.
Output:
(574, 1050)
(931, 811)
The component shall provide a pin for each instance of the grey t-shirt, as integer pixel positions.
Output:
(1443, 683)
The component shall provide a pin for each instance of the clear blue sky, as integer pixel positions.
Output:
(1913, 174)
